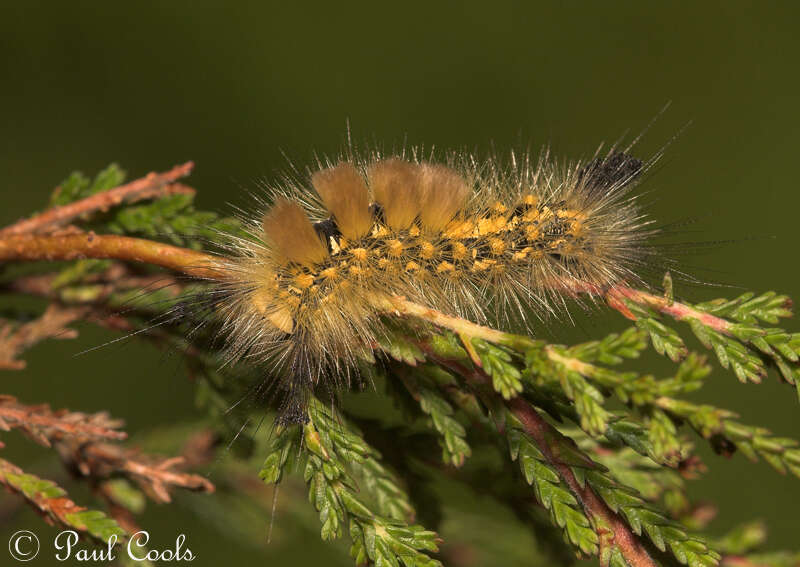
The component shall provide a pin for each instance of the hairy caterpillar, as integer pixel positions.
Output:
(480, 241)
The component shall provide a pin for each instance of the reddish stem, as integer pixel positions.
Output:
(679, 311)
(621, 536)
(152, 185)
(542, 433)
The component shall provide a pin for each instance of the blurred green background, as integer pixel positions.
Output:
(236, 85)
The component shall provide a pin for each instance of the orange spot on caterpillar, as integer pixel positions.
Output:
(329, 273)
(459, 251)
(360, 254)
(426, 250)
(394, 248)
(491, 225)
(497, 246)
(532, 232)
(522, 254)
(304, 281)
(480, 265)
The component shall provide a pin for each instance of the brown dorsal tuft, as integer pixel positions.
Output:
(345, 195)
(292, 235)
(444, 194)
(395, 185)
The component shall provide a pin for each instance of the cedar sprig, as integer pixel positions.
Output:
(552, 366)
(731, 328)
(644, 518)
(655, 483)
(547, 368)
(711, 423)
(51, 501)
(498, 363)
(47, 427)
(333, 450)
(726, 434)
(173, 219)
(551, 492)
(424, 386)
(82, 442)
(78, 186)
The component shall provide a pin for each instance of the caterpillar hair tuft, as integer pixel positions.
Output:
(483, 241)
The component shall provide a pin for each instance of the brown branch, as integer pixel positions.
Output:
(47, 427)
(155, 475)
(616, 295)
(198, 450)
(53, 323)
(151, 186)
(16, 338)
(199, 264)
(91, 245)
(613, 295)
(543, 434)
(81, 439)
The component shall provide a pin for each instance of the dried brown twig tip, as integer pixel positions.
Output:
(48, 427)
(155, 475)
(81, 440)
(14, 340)
(151, 186)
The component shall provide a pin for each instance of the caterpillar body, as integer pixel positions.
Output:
(488, 243)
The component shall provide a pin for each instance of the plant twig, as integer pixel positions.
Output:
(155, 475)
(621, 535)
(51, 501)
(52, 323)
(199, 264)
(542, 433)
(148, 187)
(91, 245)
(675, 309)
(47, 427)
